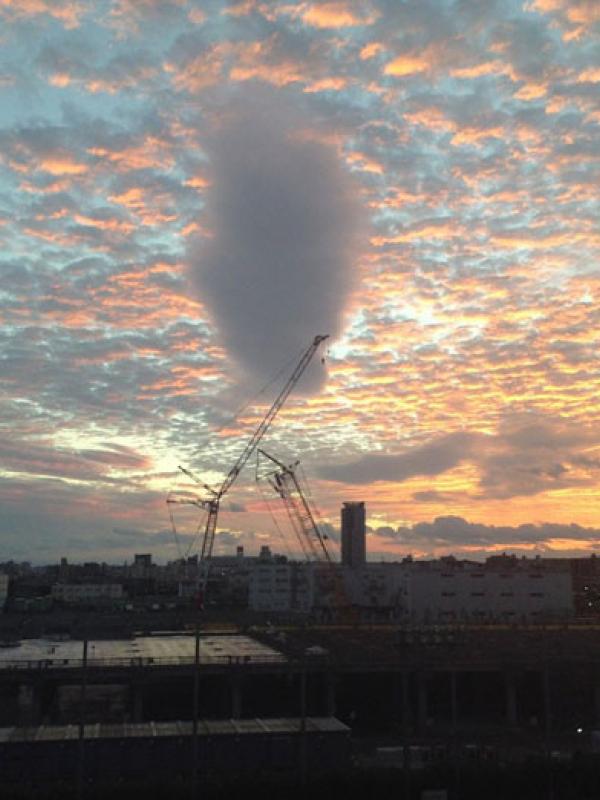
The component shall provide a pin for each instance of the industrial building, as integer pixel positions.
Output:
(424, 592)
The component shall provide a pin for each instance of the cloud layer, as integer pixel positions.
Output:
(190, 191)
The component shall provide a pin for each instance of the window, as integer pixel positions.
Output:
(477, 594)
(448, 594)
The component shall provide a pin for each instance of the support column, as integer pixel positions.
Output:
(596, 695)
(236, 696)
(330, 704)
(454, 711)
(406, 710)
(138, 702)
(406, 731)
(510, 684)
(547, 700)
(28, 705)
(422, 706)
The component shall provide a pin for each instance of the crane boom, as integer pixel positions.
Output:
(285, 483)
(211, 504)
(270, 415)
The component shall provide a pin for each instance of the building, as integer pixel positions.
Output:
(142, 565)
(524, 590)
(281, 586)
(84, 593)
(354, 550)
(3, 590)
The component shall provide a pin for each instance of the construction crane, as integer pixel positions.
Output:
(312, 540)
(212, 503)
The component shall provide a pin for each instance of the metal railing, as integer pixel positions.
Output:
(38, 664)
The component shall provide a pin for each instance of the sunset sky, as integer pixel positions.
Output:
(190, 191)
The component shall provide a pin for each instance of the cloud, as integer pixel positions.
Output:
(87, 464)
(529, 454)
(69, 13)
(285, 227)
(431, 459)
(453, 532)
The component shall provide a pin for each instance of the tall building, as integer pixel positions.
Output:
(3, 590)
(354, 550)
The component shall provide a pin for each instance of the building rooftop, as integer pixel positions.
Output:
(145, 730)
(149, 649)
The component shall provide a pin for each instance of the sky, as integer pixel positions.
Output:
(191, 191)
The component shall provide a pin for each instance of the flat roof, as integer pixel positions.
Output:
(145, 730)
(179, 649)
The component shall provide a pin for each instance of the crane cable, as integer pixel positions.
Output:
(171, 501)
(315, 510)
(260, 392)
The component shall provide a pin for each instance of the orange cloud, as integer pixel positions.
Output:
(62, 165)
(281, 74)
(576, 17)
(432, 118)
(473, 135)
(66, 11)
(334, 14)
(113, 86)
(151, 153)
(151, 208)
(203, 71)
(478, 70)
(532, 91)
(60, 79)
(111, 224)
(591, 75)
(197, 182)
(364, 163)
(405, 65)
(425, 232)
(326, 85)
(370, 50)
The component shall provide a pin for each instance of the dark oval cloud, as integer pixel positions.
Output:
(285, 223)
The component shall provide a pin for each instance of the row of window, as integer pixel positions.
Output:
(502, 594)
(489, 574)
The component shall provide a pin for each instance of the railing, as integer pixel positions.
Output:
(140, 661)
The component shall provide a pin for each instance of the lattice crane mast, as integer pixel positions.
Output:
(212, 503)
(312, 540)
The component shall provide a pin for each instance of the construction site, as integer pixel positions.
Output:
(317, 696)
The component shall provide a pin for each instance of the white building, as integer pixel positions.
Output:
(81, 593)
(448, 591)
(3, 590)
(281, 587)
(421, 592)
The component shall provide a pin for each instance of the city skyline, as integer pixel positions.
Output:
(191, 191)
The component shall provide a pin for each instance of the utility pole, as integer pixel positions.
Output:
(303, 740)
(196, 695)
(81, 732)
